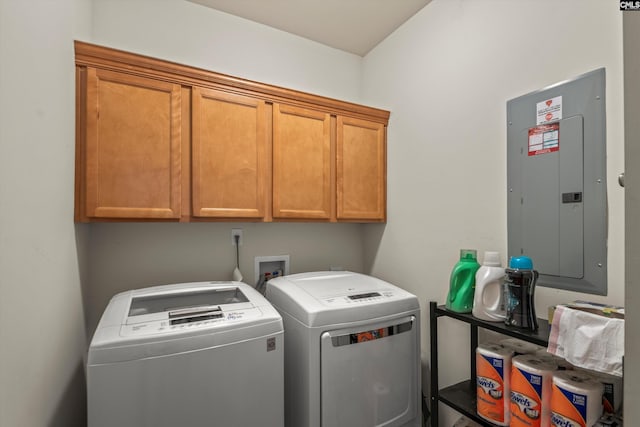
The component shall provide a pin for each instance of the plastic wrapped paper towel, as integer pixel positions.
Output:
(493, 373)
(576, 399)
(562, 364)
(519, 347)
(588, 340)
(612, 396)
(531, 382)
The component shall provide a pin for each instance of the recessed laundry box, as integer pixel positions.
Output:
(352, 350)
(192, 354)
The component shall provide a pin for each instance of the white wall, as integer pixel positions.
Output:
(125, 256)
(192, 34)
(42, 331)
(446, 76)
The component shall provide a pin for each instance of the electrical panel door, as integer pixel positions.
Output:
(556, 183)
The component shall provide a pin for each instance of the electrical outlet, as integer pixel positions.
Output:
(236, 232)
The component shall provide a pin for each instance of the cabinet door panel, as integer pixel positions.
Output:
(301, 163)
(361, 169)
(133, 167)
(229, 155)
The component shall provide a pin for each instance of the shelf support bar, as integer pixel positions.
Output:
(433, 327)
(474, 345)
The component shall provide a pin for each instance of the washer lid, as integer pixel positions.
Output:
(329, 297)
(187, 305)
(162, 320)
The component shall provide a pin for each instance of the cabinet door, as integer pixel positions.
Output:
(361, 170)
(301, 163)
(133, 139)
(229, 152)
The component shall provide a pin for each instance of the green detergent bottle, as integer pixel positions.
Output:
(462, 284)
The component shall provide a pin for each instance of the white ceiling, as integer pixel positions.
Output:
(355, 26)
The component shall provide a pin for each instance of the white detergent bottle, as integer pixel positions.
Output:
(488, 298)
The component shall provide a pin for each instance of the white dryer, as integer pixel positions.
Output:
(192, 354)
(352, 353)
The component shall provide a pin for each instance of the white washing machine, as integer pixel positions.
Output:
(191, 354)
(352, 353)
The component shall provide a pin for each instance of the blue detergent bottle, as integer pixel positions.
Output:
(520, 286)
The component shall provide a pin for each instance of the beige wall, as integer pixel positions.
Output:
(42, 331)
(446, 76)
(128, 256)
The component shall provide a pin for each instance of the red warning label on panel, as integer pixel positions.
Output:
(544, 139)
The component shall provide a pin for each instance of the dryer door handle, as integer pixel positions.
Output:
(340, 338)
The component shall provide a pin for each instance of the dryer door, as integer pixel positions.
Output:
(369, 374)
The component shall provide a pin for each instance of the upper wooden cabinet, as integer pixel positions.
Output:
(302, 159)
(132, 167)
(361, 169)
(157, 140)
(229, 155)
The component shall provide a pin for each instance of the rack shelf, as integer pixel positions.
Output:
(462, 396)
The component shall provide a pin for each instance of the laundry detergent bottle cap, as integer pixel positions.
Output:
(492, 259)
(462, 282)
(488, 297)
(520, 263)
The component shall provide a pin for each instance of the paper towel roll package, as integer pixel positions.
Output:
(563, 365)
(493, 372)
(531, 382)
(576, 399)
(612, 393)
(520, 347)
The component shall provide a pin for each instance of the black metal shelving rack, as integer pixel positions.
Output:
(462, 396)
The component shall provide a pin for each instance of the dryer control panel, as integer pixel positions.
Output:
(359, 298)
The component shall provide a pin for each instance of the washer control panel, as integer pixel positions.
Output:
(190, 322)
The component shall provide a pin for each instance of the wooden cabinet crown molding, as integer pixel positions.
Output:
(91, 55)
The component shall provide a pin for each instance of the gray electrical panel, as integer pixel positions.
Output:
(556, 183)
